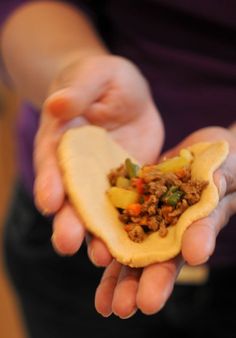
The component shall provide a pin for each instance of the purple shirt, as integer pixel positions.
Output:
(187, 51)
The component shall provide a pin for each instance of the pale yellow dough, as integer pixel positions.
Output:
(87, 154)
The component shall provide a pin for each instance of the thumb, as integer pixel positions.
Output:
(225, 178)
(67, 103)
(200, 238)
(76, 99)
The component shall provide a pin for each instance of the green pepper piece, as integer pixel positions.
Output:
(167, 194)
(172, 196)
(172, 189)
(132, 168)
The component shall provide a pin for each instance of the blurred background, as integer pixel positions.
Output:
(11, 325)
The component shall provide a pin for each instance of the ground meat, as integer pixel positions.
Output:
(184, 174)
(150, 173)
(124, 217)
(150, 206)
(137, 220)
(153, 223)
(137, 234)
(170, 179)
(156, 188)
(114, 174)
(163, 231)
(193, 190)
(180, 208)
(165, 197)
(152, 210)
(166, 211)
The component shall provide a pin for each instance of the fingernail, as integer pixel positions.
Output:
(45, 212)
(54, 244)
(41, 209)
(130, 315)
(106, 315)
(91, 257)
(57, 103)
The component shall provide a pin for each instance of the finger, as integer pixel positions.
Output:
(232, 128)
(62, 104)
(74, 101)
(68, 231)
(49, 190)
(105, 290)
(98, 252)
(137, 129)
(48, 187)
(156, 285)
(199, 239)
(124, 298)
(225, 178)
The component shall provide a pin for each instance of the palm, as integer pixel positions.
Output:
(141, 136)
(122, 290)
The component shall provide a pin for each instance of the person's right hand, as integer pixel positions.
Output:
(107, 91)
(122, 290)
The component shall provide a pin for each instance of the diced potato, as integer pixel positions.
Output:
(122, 182)
(121, 198)
(185, 153)
(173, 164)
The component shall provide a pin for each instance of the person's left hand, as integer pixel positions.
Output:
(123, 290)
(103, 90)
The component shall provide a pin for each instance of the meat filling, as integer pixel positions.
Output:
(161, 198)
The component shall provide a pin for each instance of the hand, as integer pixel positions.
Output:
(107, 91)
(123, 290)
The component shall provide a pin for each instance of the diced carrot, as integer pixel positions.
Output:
(134, 209)
(138, 183)
(181, 172)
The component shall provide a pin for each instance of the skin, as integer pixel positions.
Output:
(76, 81)
(107, 81)
(148, 289)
